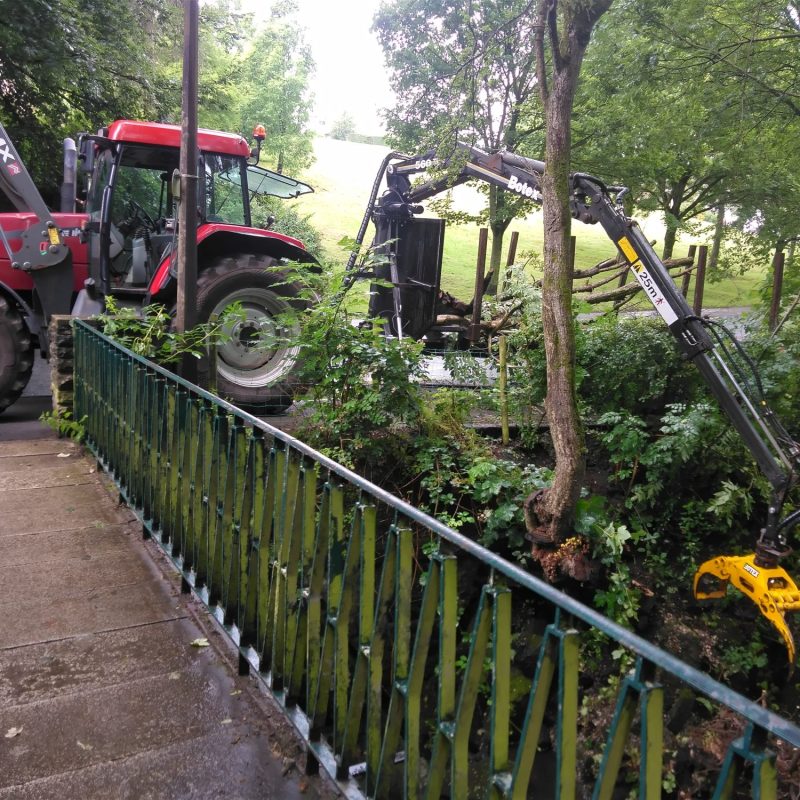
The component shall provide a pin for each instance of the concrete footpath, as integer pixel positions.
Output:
(102, 692)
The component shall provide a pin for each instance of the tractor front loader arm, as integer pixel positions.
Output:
(41, 250)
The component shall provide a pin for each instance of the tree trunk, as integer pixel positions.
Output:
(558, 505)
(549, 515)
(670, 235)
(716, 244)
(672, 217)
(498, 223)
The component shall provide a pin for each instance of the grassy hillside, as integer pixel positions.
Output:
(343, 174)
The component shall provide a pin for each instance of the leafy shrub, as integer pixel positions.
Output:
(148, 331)
(628, 364)
(632, 364)
(362, 383)
(778, 361)
(288, 220)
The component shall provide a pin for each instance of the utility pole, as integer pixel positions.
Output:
(187, 207)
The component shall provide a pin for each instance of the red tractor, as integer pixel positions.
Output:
(123, 246)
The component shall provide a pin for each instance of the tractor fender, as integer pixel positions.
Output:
(217, 239)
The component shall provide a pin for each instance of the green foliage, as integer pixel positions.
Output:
(148, 331)
(464, 72)
(460, 479)
(682, 440)
(343, 128)
(778, 361)
(742, 659)
(362, 382)
(288, 220)
(275, 89)
(632, 364)
(63, 423)
(623, 364)
(732, 147)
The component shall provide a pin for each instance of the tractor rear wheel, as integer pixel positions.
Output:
(16, 354)
(256, 365)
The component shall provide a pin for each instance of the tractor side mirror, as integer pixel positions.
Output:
(176, 185)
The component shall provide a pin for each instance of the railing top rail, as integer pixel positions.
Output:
(703, 683)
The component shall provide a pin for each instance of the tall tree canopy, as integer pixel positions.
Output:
(275, 89)
(67, 65)
(680, 105)
(73, 65)
(463, 71)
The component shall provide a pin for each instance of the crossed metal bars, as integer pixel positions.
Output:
(323, 582)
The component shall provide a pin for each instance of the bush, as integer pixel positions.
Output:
(288, 220)
(632, 365)
(629, 364)
(362, 383)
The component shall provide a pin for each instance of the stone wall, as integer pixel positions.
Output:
(61, 363)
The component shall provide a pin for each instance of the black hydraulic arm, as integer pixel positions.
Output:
(773, 449)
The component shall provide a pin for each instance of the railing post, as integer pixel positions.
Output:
(651, 709)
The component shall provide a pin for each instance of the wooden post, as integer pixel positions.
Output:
(700, 279)
(777, 288)
(512, 251)
(502, 348)
(186, 316)
(688, 276)
(480, 273)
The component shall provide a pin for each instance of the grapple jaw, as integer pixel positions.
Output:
(770, 588)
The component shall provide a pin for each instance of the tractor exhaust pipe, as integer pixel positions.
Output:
(70, 176)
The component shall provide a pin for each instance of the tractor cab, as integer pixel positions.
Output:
(132, 217)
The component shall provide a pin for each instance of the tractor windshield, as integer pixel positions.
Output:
(225, 182)
(225, 200)
(264, 181)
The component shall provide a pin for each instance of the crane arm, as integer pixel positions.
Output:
(758, 575)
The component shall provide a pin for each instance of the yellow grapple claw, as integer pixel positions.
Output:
(770, 588)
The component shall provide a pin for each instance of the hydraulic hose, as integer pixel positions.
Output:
(376, 185)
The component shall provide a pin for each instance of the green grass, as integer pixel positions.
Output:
(342, 177)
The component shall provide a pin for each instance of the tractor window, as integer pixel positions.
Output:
(94, 199)
(138, 190)
(224, 198)
(264, 181)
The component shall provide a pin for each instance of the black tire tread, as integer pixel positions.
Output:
(22, 343)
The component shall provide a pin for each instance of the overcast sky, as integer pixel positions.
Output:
(350, 75)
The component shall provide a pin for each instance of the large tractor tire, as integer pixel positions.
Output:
(256, 366)
(16, 354)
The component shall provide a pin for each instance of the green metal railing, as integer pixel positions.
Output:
(387, 636)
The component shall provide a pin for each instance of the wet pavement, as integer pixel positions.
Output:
(104, 692)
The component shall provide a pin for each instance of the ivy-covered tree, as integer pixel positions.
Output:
(464, 71)
(275, 90)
